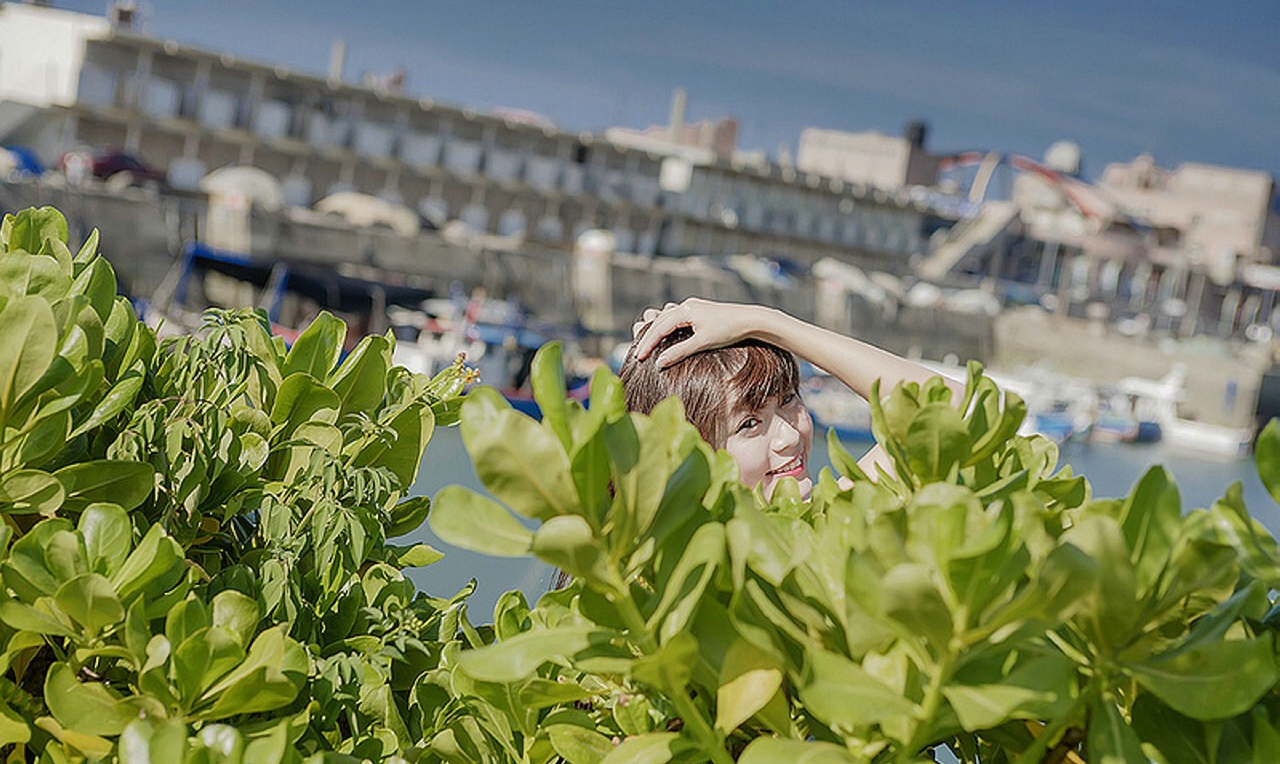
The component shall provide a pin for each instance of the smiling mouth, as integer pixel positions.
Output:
(793, 468)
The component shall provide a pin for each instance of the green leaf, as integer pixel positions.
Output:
(87, 707)
(14, 729)
(413, 556)
(98, 283)
(579, 745)
(148, 743)
(269, 678)
(911, 598)
(568, 543)
(511, 615)
(683, 588)
(936, 441)
(91, 601)
(468, 520)
(25, 570)
(184, 619)
(89, 249)
(302, 400)
(544, 693)
(841, 459)
(31, 228)
(28, 491)
(361, 380)
(118, 398)
(155, 566)
(1150, 520)
(45, 438)
(34, 619)
(547, 376)
(749, 679)
(204, 656)
(1217, 680)
(653, 748)
(317, 348)
(1266, 454)
(408, 516)
(767, 750)
(520, 656)
(643, 451)
(1179, 739)
(1035, 688)
(521, 463)
(108, 536)
(1109, 608)
(1111, 739)
(402, 453)
(633, 715)
(671, 667)
(840, 692)
(1266, 739)
(125, 483)
(28, 343)
(235, 613)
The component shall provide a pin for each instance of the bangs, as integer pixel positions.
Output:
(767, 372)
(712, 384)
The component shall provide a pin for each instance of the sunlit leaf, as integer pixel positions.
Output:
(466, 519)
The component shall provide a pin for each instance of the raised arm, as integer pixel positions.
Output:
(716, 324)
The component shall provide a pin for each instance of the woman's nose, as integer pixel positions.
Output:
(785, 433)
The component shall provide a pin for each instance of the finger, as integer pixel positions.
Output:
(660, 327)
(678, 352)
(637, 329)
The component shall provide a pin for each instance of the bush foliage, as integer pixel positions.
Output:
(980, 599)
(196, 568)
(195, 555)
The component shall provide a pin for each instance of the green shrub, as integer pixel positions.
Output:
(195, 557)
(981, 599)
(195, 568)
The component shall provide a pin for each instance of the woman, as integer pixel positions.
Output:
(732, 367)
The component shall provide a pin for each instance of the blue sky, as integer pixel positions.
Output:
(1186, 81)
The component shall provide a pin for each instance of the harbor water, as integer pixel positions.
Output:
(1111, 468)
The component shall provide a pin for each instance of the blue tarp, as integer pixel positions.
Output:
(26, 159)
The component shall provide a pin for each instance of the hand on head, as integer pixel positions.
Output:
(714, 325)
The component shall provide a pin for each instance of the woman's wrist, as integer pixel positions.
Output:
(773, 326)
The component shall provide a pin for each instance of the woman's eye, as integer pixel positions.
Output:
(748, 423)
(789, 399)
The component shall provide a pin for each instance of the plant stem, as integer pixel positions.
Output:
(929, 708)
(694, 721)
(698, 725)
(1035, 753)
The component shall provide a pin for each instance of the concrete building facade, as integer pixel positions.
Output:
(191, 111)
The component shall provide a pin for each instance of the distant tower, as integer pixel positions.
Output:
(679, 100)
(337, 59)
(916, 132)
(121, 13)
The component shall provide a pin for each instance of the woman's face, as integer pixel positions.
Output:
(772, 443)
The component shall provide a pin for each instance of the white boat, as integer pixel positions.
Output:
(1161, 398)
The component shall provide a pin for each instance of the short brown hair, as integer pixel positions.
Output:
(708, 382)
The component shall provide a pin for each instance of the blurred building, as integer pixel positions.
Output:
(870, 158)
(71, 81)
(713, 139)
(1171, 252)
(1221, 213)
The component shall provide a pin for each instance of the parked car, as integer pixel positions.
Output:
(113, 166)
